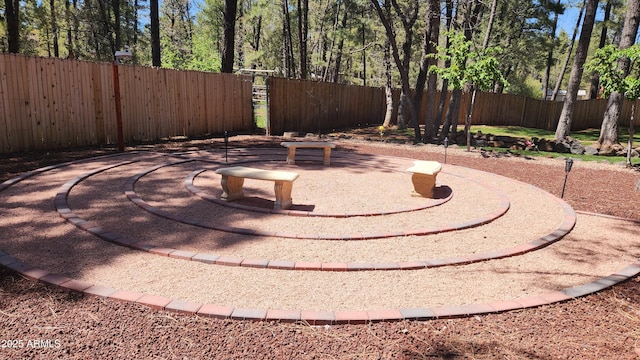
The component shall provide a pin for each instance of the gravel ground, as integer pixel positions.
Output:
(50, 323)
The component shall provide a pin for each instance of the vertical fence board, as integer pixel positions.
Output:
(108, 102)
(146, 107)
(14, 98)
(75, 103)
(62, 92)
(6, 128)
(45, 75)
(127, 92)
(35, 105)
(96, 99)
(166, 115)
(27, 120)
(87, 98)
(212, 104)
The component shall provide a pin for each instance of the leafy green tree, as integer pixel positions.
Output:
(609, 129)
(616, 79)
(176, 33)
(408, 16)
(202, 58)
(564, 123)
(479, 69)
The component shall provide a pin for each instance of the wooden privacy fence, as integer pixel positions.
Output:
(49, 103)
(309, 106)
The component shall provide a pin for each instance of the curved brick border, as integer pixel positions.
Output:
(113, 237)
(311, 317)
(314, 317)
(501, 209)
(188, 183)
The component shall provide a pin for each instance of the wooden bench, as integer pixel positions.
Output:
(424, 177)
(233, 179)
(292, 145)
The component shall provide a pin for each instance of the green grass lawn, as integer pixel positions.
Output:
(260, 115)
(586, 137)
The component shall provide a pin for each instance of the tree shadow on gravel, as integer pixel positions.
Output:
(69, 236)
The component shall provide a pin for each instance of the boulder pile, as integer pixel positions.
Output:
(568, 146)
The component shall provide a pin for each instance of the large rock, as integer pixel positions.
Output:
(590, 150)
(576, 147)
(563, 147)
(546, 145)
(612, 150)
(479, 143)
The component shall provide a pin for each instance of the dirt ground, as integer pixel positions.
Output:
(40, 321)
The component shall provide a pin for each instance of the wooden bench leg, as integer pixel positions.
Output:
(327, 156)
(291, 156)
(423, 185)
(283, 195)
(232, 188)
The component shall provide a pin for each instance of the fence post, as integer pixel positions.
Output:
(116, 93)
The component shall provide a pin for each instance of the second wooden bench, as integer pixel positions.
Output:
(233, 179)
(292, 145)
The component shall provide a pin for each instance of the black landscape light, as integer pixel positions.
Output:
(226, 146)
(567, 168)
(446, 145)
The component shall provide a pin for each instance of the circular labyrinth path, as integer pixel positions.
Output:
(354, 247)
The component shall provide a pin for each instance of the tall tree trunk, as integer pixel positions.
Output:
(76, 26)
(238, 44)
(330, 48)
(12, 13)
(388, 90)
(470, 20)
(106, 30)
(289, 63)
(445, 84)
(69, 19)
(594, 88)
(467, 122)
(156, 59)
(453, 111)
(364, 53)
(609, 130)
(136, 7)
(564, 123)
(566, 61)
(257, 34)
(54, 28)
(303, 32)
(631, 132)
(492, 16)
(229, 33)
(406, 110)
(552, 39)
(432, 28)
(117, 25)
(338, 62)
